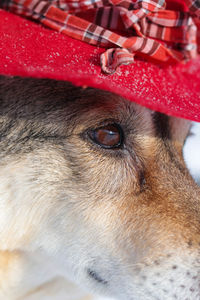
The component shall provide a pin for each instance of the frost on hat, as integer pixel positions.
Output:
(145, 51)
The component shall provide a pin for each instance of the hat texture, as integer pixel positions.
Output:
(165, 79)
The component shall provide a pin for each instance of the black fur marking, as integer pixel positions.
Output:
(161, 123)
(96, 277)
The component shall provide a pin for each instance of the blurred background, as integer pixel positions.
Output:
(191, 152)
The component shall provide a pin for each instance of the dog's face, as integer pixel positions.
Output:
(98, 185)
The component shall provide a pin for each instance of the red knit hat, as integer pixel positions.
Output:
(158, 78)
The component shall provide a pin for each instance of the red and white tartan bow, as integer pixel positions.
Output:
(127, 28)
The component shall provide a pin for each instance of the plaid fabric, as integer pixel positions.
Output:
(194, 7)
(128, 28)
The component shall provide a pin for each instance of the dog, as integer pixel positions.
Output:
(95, 197)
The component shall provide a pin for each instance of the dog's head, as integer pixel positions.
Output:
(99, 185)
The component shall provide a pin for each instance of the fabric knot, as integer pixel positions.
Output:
(115, 57)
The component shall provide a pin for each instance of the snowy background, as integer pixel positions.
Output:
(192, 152)
(192, 158)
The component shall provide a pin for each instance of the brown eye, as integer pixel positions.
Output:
(109, 136)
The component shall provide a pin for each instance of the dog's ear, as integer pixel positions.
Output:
(179, 129)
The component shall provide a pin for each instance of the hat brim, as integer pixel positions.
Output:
(30, 50)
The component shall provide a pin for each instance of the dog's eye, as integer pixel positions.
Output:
(109, 136)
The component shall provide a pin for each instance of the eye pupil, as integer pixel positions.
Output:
(109, 136)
